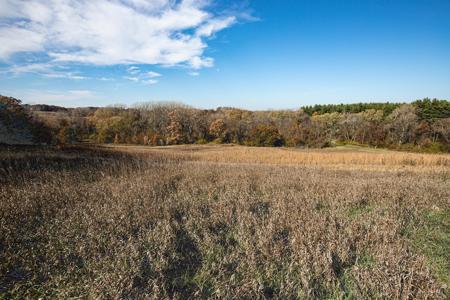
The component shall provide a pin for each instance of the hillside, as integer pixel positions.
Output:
(17, 127)
(12, 135)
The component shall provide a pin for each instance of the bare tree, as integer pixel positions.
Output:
(402, 124)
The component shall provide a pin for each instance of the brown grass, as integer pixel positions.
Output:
(220, 222)
(339, 157)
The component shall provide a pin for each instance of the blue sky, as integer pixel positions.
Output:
(251, 54)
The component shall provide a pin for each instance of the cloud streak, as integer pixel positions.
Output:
(109, 32)
(48, 70)
(137, 75)
(45, 69)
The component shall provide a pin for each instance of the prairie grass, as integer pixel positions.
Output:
(339, 157)
(223, 222)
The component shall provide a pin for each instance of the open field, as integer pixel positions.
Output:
(225, 222)
(344, 157)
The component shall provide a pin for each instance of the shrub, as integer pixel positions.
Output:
(267, 135)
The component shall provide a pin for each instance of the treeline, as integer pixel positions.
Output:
(426, 108)
(422, 125)
(320, 109)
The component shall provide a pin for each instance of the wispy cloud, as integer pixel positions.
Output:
(49, 70)
(67, 75)
(137, 75)
(150, 81)
(133, 70)
(109, 32)
(152, 74)
(44, 69)
(213, 26)
(105, 79)
(135, 79)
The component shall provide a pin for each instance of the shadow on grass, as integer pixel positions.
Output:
(183, 263)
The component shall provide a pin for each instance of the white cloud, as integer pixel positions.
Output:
(194, 73)
(150, 81)
(108, 32)
(67, 75)
(135, 79)
(133, 70)
(31, 68)
(143, 77)
(15, 39)
(45, 69)
(152, 74)
(214, 25)
(105, 79)
(198, 63)
(148, 5)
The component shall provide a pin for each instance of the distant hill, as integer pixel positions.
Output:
(44, 107)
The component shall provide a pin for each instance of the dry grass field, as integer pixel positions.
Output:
(225, 222)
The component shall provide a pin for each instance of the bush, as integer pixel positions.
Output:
(267, 136)
(201, 141)
(435, 147)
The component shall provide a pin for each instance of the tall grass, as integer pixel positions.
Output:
(186, 223)
(347, 158)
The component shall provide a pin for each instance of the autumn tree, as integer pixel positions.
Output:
(239, 123)
(175, 130)
(402, 124)
(441, 130)
(298, 132)
(371, 130)
(267, 135)
(218, 130)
